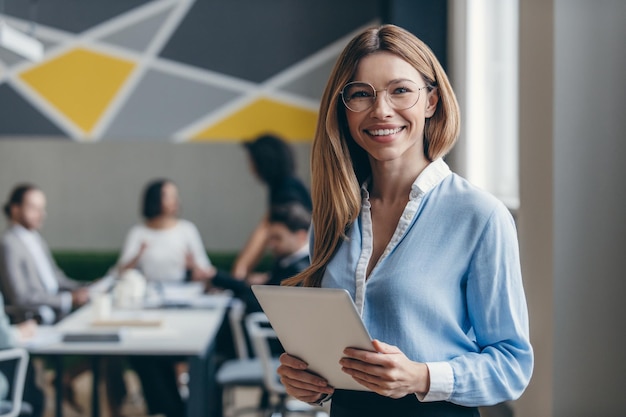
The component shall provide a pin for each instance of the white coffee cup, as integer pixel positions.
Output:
(102, 306)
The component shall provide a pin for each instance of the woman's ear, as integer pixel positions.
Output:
(431, 104)
(13, 211)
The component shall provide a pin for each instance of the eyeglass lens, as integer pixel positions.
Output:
(359, 96)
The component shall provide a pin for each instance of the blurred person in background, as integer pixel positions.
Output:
(34, 285)
(273, 163)
(30, 278)
(165, 248)
(288, 243)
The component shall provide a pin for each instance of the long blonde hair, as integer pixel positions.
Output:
(339, 165)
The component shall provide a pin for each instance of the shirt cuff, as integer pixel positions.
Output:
(47, 314)
(441, 382)
(66, 302)
(324, 398)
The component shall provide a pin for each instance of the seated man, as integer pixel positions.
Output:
(33, 285)
(288, 241)
(29, 277)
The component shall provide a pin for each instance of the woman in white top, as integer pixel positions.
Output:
(165, 248)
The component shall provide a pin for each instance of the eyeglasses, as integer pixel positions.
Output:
(358, 96)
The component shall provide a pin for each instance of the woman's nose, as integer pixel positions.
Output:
(381, 106)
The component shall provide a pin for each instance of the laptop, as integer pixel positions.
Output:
(316, 325)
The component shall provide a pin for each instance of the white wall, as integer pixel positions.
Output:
(572, 227)
(94, 190)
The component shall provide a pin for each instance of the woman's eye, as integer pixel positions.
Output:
(360, 94)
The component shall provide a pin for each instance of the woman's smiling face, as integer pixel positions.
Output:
(385, 133)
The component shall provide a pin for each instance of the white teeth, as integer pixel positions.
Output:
(384, 132)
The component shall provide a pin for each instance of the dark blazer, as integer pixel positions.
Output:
(282, 272)
(19, 278)
(278, 273)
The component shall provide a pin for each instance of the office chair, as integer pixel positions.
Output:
(261, 333)
(14, 406)
(243, 371)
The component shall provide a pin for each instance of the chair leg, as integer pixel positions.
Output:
(279, 407)
(261, 409)
(227, 400)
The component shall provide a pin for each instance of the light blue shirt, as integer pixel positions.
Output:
(447, 290)
(7, 340)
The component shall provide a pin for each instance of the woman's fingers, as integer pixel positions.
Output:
(298, 387)
(303, 379)
(300, 383)
(291, 361)
(387, 371)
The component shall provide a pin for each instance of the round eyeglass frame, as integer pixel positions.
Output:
(375, 96)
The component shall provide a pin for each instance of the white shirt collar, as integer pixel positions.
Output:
(300, 253)
(23, 232)
(428, 179)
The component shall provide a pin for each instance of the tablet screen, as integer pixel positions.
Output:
(316, 325)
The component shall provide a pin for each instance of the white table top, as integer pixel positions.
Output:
(187, 331)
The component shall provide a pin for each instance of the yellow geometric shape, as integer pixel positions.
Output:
(263, 116)
(80, 84)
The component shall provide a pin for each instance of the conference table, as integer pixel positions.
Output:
(184, 325)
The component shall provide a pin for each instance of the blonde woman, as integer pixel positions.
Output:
(431, 262)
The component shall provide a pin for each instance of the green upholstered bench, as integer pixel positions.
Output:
(90, 265)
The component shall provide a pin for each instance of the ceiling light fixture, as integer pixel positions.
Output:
(24, 44)
(20, 43)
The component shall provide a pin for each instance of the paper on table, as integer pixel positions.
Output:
(45, 335)
(181, 292)
(211, 301)
(173, 295)
(129, 318)
(151, 333)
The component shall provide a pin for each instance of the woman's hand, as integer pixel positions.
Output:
(135, 260)
(80, 296)
(387, 371)
(258, 278)
(26, 330)
(197, 272)
(301, 383)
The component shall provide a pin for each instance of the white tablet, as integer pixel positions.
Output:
(316, 325)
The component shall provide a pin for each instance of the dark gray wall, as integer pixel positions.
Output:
(589, 202)
(427, 19)
(571, 225)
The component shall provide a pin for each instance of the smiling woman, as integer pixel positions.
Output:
(430, 261)
(391, 131)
